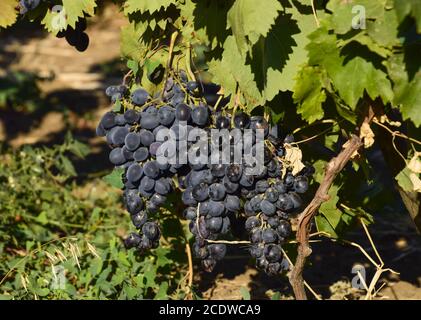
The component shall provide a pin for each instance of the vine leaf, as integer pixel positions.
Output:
(410, 99)
(404, 180)
(130, 45)
(231, 69)
(329, 210)
(152, 6)
(206, 21)
(277, 57)
(8, 13)
(76, 9)
(114, 178)
(409, 7)
(309, 94)
(249, 21)
(344, 12)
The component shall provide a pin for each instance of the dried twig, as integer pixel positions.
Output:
(333, 168)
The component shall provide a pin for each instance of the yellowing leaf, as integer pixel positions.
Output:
(8, 12)
(416, 182)
(75, 9)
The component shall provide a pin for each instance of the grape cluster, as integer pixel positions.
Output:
(28, 5)
(215, 195)
(76, 37)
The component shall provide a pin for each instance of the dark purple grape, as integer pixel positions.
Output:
(217, 191)
(131, 116)
(222, 122)
(141, 154)
(134, 173)
(151, 230)
(139, 97)
(284, 229)
(200, 115)
(132, 141)
(117, 157)
(166, 115)
(139, 219)
(241, 120)
(182, 112)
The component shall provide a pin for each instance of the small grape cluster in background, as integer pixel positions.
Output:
(76, 37)
(215, 195)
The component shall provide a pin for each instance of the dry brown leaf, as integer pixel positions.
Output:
(367, 135)
(294, 156)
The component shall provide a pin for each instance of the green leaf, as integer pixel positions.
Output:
(76, 9)
(357, 76)
(410, 101)
(404, 181)
(343, 15)
(245, 293)
(324, 226)
(249, 21)
(277, 58)
(8, 12)
(409, 7)
(115, 178)
(276, 296)
(130, 42)
(206, 21)
(162, 292)
(329, 209)
(131, 6)
(309, 94)
(42, 218)
(231, 69)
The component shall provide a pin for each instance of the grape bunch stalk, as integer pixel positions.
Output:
(216, 195)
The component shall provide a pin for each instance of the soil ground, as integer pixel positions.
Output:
(78, 84)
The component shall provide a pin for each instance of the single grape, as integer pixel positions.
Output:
(134, 173)
(218, 250)
(141, 154)
(200, 115)
(147, 184)
(284, 229)
(267, 207)
(217, 191)
(139, 219)
(216, 208)
(182, 112)
(166, 115)
(139, 97)
(133, 240)
(241, 120)
(200, 192)
(232, 203)
(214, 224)
(269, 236)
(222, 122)
(146, 137)
(151, 230)
(252, 223)
(117, 157)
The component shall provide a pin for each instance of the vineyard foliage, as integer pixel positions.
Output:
(316, 67)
